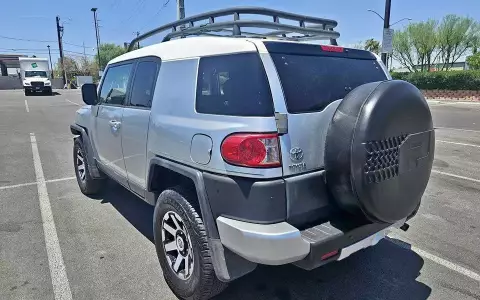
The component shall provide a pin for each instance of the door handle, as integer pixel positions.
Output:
(114, 124)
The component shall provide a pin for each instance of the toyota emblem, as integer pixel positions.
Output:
(296, 154)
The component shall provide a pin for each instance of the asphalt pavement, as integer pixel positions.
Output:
(101, 248)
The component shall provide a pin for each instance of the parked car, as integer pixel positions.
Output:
(255, 149)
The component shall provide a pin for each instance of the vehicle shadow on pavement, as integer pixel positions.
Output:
(134, 210)
(386, 271)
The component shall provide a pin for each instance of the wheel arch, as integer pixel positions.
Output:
(180, 174)
(81, 133)
(228, 265)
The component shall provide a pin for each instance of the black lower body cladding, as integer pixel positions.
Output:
(299, 200)
(379, 150)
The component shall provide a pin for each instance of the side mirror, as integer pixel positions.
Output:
(89, 93)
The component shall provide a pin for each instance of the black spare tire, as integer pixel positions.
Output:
(379, 150)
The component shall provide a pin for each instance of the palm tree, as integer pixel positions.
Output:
(373, 46)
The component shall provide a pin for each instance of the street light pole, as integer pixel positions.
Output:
(50, 56)
(386, 24)
(94, 10)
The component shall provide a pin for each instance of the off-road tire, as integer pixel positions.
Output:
(90, 185)
(203, 283)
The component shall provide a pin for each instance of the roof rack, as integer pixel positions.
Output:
(308, 28)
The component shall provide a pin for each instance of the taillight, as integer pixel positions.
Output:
(252, 150)
(331, 48)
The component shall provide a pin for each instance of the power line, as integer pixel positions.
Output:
(26, 40)
(138, 5)
(42, 51)
(39, 41)
(157, 13)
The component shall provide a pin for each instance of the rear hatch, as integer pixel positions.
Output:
(314, 79)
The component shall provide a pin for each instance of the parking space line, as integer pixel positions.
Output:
(26, 106)
(72, 102)
(58, 273)
(460, 144)
(448, 264)
(456, 176)
(6, 187)
(458, 129)
(443, 262)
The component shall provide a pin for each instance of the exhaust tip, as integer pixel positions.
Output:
(405, 227)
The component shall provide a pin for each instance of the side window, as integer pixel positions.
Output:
(234, 85)
(114, 86)
(144, 84)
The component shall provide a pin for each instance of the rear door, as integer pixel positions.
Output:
(314, 79)
(108, 120)
(136, 118)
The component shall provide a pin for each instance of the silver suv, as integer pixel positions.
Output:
(255, 148)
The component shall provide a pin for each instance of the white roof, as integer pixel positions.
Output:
(191, 47)
(32, 59)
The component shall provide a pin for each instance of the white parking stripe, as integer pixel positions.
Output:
(461, 144)
(393, 238)
(60, 179)
(58, 273)
(448, 264)
(456, 176)
(72, 102)
(458, 129)
(26, 106)
(6, 187)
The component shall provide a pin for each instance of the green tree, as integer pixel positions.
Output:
(415, 46)
(108, 52)
(423, 36)
(473, 61)
(403, 50)
(70, 65)
(456, 35)
(87, 66)
(372, 45)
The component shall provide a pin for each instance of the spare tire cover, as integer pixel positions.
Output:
(379, 150)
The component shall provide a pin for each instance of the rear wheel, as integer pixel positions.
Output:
(182, 247)
(88, 185)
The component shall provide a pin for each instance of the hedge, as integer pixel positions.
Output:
(442, 80)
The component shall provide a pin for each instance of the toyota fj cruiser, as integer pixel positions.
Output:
(255, 148)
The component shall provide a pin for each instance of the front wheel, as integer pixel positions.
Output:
(182, 247)
(27, 93)
(88, 185)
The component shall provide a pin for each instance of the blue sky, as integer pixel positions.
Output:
(119, 19)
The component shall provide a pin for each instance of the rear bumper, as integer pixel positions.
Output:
(282, 243)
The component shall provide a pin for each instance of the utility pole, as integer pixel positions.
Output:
(84, 54)
(60, 48)
(94, 10)
(386, 24)
(50, 56)
(180, 9)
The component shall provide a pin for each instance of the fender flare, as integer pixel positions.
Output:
(228, 265)
(78, 130)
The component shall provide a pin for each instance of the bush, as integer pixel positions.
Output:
(473, 61)
(442, 80)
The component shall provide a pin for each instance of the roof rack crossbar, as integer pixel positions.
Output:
(317, 28)
(283, 29)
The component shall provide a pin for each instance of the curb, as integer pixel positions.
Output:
(449, 101)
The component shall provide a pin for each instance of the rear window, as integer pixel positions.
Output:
(310, 83)
(234, 85)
